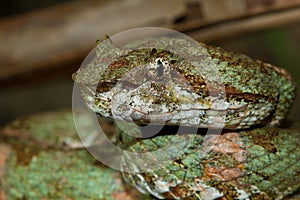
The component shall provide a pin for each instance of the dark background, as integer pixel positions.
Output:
(14, 7)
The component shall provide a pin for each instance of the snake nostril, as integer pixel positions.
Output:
(153, 51)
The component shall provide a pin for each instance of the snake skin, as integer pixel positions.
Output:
(144, 85)
(260, 164)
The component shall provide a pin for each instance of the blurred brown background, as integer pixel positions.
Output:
(43, 42)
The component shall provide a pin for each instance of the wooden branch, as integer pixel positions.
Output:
(43, 39)
(236, 26)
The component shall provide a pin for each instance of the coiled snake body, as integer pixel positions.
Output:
(206, 89)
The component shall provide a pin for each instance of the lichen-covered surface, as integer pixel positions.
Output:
(30, 170)
(58, 175)
(37, 163)
(53, 129)
(259, 164)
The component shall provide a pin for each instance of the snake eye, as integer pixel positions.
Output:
(158, 61)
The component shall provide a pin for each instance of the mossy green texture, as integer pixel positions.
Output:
(36, 170)
(264, 163)
(60, 175)
(55, 128)
(273, 159)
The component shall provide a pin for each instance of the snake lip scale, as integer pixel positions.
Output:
(253, 159)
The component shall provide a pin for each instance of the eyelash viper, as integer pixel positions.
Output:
(250, 159)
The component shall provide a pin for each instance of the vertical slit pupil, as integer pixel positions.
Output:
(160, 69)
